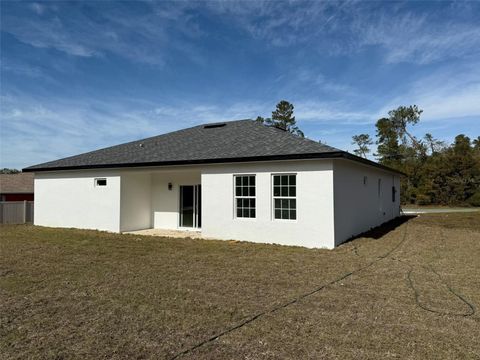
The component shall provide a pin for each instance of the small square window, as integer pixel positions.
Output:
(100, 182)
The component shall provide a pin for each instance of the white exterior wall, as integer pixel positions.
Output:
(135, 201)
(333, 204)
(314, 226)
(166, 203)
(71, 199)
(359, 207)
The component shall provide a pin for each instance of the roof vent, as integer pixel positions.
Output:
(213, 126)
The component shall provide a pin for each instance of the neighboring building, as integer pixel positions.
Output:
(16, 187)
(233, 180)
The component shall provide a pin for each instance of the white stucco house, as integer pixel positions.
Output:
(235, 180)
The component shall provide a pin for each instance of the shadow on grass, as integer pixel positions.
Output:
(379, 231)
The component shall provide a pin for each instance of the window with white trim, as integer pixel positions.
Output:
(285, 197)
(245, 202)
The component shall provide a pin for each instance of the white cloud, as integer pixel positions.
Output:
(348, 27)
(45, 34)
(72, 29)
(38, 8)
(418, 38)
(447, 93)
(326, 112)
(35, 130)
(24, 69)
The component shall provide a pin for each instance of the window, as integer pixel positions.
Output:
(245, 196)
(394, 192)
(285, 197)
(100, 182)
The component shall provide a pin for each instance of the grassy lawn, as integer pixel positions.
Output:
(410, 292)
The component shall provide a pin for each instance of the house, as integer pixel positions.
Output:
(233, 180)
(16, 187)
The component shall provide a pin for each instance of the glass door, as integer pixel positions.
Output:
(190, 206)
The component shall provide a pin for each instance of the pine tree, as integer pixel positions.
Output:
(363, 143)
(282, 118)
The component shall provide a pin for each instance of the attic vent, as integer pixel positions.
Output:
(213, 126)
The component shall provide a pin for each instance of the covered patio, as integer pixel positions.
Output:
(166, 200)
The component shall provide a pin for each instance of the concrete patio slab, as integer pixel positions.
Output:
(437, 210)
(193, 234)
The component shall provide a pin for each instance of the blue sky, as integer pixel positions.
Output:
(80, 76)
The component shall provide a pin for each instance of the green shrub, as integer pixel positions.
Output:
(474, 200)
(423, 199)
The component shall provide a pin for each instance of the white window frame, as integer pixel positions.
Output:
(235, 197)
(273, 197)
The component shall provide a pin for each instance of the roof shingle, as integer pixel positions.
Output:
(16, 183)
(241, 140)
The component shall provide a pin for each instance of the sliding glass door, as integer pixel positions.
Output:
(190, 206)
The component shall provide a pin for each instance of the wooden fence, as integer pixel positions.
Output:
(16, 212)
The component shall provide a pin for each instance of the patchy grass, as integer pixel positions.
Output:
(406, 293)
(466, 221)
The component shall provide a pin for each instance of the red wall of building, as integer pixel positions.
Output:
(17, 197)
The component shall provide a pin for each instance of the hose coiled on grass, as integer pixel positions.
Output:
(429, 267)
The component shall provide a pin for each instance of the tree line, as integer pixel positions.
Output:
(436, 173)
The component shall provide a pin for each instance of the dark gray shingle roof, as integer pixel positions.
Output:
(242, 140)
